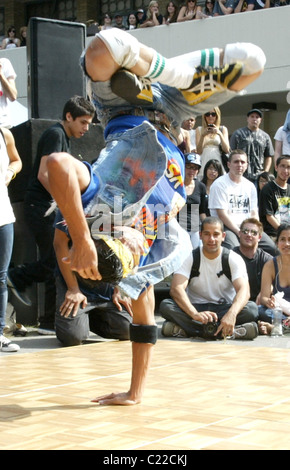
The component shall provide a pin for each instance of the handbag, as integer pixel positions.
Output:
(224, 157)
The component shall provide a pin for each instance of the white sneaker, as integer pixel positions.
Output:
(7, 346)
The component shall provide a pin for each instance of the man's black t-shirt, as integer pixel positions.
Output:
(254, 269)
(275, 201)
(54, 139)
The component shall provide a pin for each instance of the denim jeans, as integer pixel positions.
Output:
(170, 311)
(42, 270)
(6, 243)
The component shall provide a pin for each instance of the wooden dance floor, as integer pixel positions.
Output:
(199, 396)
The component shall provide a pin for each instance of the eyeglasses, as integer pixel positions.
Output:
(210, 114)
(191, 166)
(247, 231)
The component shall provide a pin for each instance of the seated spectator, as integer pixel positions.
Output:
(11, 41)
(208, 10)
(107, 22)
(282, 139)
(194, 210)
(153, 17)
(140, 16)
(281, 3)
(274, 202)
(171, 13)
(188, 125)
(23, 34)
(212, 170)
(224, 7)
(189, 11)
(81, 308)
(210, 293)
(254, 257)
(262, 180)
(119, 22)
(132, 21)
(212, 139)
(233, 199)
(250, 5)
(276, 279)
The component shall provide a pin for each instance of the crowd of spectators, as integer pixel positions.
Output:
(154, 16)
(11, 41)
(190, 10)
(210, 181)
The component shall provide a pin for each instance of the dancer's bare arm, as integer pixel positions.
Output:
(143, 314)
(67, 178)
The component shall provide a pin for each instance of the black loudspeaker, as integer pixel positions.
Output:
(54, 74)
(26, 137)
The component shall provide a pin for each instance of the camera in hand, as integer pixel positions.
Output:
(209, 330)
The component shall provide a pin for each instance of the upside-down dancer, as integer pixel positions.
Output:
(137, 182)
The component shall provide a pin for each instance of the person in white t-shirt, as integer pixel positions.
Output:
(8, 91)
(10, 165)
(211, 296)
(233, 198)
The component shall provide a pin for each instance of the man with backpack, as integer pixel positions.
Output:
(210, 292)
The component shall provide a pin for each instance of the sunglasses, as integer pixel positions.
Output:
(247, 231)
(210, 114)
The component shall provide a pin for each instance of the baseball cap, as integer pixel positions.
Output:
(193, 158)
(255, 110)
(140, 10)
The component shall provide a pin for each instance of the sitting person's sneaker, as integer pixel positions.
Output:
(170, 329)
(22, 296)
(135, 90)
(207, 81)
(247, 331)
(7, 346)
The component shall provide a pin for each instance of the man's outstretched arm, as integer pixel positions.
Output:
(67, 178)
(142, 352)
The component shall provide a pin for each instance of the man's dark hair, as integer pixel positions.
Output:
(78, 106)
(109, 265)
(211, 220)
(281, 228)
(282, 157)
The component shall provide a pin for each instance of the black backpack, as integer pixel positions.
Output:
(225, 264)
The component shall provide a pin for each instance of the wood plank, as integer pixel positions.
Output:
(198, 396)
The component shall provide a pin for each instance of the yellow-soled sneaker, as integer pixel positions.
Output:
(135, 90)
(207, 81)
